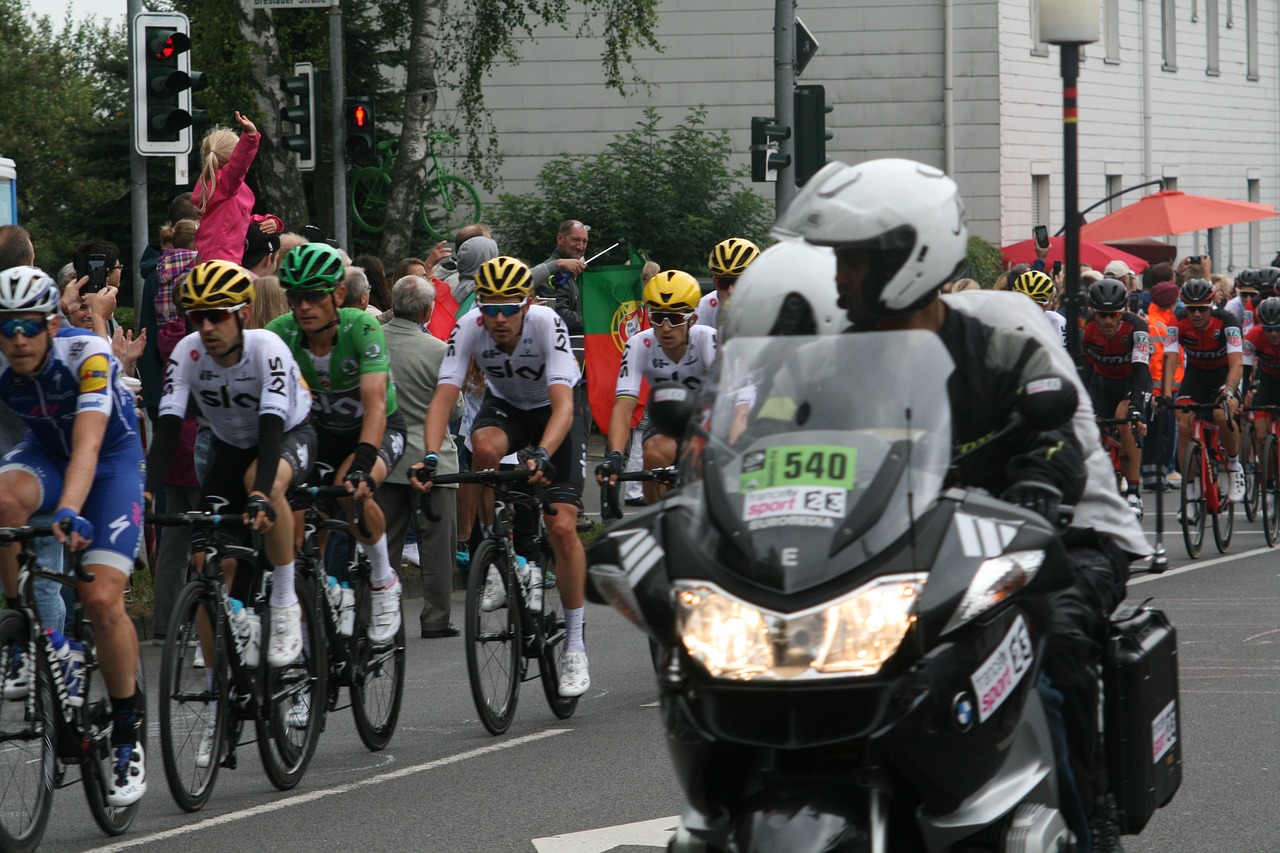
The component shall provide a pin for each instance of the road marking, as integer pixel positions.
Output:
(312, 796)
(645, 833)
(1191, 567)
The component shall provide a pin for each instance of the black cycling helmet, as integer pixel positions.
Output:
(1266, 279)
(1107, 294)
(1247, 279)
(1268, 312)
(1197, 291)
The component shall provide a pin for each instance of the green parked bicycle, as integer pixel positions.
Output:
(446, 203)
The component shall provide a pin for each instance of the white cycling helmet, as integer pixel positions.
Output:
(790, 289)
(27, 290)
(908, 214)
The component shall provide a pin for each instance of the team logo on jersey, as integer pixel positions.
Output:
(93, 373)
(372, 351)
(350, 367)
(628, 321)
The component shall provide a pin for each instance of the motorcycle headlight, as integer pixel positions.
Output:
(996, 579)
(853, 636)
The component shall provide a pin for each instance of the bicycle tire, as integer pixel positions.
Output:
(494, 653)
(1224, 520)
(189, 704)
(96, 718)
(1193, 509)
(446, 204)
(28, 755)
(286, 749)
(377, 682)
(1269, 492)
(370, 189)
(551, 649)
(1248, 460)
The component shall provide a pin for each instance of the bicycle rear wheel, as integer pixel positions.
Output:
(370, 188)
(96, 721)
(296, 697)
(446, 205)
(377, 684)
(1193, 503)
(192, 701)
(1269, 491)
(553, 635)
(27, 752)
(493, 641)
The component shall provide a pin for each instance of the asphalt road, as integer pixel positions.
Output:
(444, 784)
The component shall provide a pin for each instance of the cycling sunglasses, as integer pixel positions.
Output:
(28, 328)
(1198, 309)
(504, 309)
(1108, 314)
(1271, 330)
(668, 318)
(213, 315)
(311, 297)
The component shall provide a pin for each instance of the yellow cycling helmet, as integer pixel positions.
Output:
(731, 257)
(503, 277)
(672, 290)
(216, 284)
(1035, 284)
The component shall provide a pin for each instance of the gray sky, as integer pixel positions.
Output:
(80, 9)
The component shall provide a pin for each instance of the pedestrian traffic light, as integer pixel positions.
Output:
(765, 159)
(811, 107)
(162, 84)
(360, 133)
(302, 113)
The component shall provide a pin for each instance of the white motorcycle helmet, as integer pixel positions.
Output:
(790, 289)
(909, 215)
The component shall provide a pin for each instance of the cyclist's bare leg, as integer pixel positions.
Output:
(279, 539)
(19, 500)
(373, 516)
(1186, 424)
(1132, 459)
(113, 631)
(571, 557)
(1229, 437)
(659, 452)
(489, 445)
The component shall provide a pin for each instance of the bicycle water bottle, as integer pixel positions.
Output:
(333, 593)
(534, 580)
(75, 672)
(61, 655)
(346, 611)
(240, 631)
(254, 642)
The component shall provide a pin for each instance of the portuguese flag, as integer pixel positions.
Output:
(611, 313)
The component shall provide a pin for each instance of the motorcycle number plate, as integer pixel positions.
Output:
(995, 680)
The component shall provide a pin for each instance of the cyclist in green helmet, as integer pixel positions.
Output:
(343, 356)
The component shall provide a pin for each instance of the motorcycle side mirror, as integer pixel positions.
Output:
(1048, 402)
(671, 407)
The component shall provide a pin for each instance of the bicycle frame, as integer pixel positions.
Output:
(1205, 433)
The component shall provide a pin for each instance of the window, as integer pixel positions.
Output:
(1040, 201)
(1211, 37)
(1038, 48)
(1111, 31)
(1251, 38)
(1169, 33)
(1115, 183)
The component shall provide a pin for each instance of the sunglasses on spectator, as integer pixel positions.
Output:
(1111, 315)
(311, 297)
(213, 315)
(27, 328)
(1199, 309)
(668, 318)
(504, 309)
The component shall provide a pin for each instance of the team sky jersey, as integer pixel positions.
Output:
(1266, 354)
(266, 381)
(80, 375)
(1059, 324)
(644, 358)
(1206, 349)
(709, 309)
(542, 358)
(334, 379)
(1114, 357)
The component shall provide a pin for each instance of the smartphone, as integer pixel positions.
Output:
(1057, 268)
(1194, 259)
(1041, 233)
(97, 274)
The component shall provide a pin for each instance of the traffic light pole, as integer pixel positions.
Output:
(137, 184)
(784, 83)
(338, 127)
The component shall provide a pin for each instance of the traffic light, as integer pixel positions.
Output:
(302, 113)
(162, 84)
(360, 134)
(765, 159)
(811, 131)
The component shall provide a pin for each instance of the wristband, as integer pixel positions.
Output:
(364, 456)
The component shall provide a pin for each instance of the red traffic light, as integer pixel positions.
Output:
(360, 115)
(166, 51)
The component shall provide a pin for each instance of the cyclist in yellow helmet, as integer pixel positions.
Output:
(1040, 288)
(729, 259)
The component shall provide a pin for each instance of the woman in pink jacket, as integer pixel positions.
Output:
(224, 201)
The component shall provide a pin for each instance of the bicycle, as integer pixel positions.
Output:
(611, 506)
(1268, 477)
(1249, 460)
(373, 673)
(501, 643)
(228, 688)
(445, 203)
(44, 731)
(1202, 466)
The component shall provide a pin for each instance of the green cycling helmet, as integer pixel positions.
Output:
(313, 266)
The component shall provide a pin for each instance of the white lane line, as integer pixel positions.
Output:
(311, 796)
(1191, 567)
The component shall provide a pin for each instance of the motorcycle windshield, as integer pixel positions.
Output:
(823, 450)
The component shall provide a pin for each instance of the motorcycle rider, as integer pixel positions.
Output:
(898, 232)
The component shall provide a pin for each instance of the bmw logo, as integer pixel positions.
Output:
(962, 711)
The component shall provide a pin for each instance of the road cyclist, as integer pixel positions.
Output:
(729, 259)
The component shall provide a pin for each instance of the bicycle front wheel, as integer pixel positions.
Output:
(370, 188)
(96, 719)
(552, 650)
(27, 752)
(493, 640)
(1224, 520)
(296, 697)
(193, 720)
(1249, 460)
(377, 685)
(445, 205)
(1193, 502)
(1269, 490)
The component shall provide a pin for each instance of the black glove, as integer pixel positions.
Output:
(430, 464)
(257, 504)
(1039, 497)
(355, 477)
(542, 462)
(612, 465)
(1161, 402)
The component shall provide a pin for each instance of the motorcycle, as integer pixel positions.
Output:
(848, 653)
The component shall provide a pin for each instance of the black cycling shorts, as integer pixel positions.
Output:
(1107, 394)
(524, 428)
(1202, 386)
(1268, 391)
(336, 447)
(223, 489)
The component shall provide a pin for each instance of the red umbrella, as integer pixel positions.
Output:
(1173, 212)
(1096, 255)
